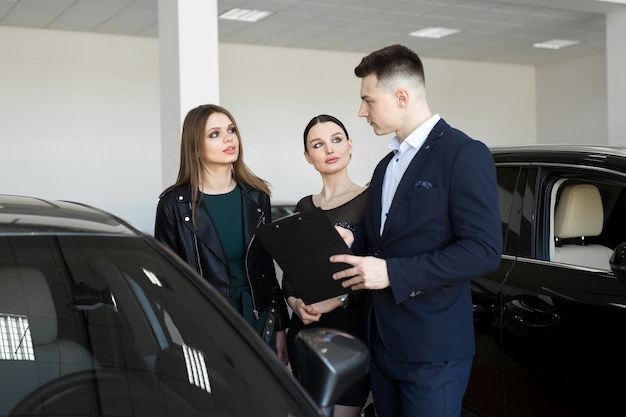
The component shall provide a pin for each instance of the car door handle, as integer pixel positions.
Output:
(531, 311)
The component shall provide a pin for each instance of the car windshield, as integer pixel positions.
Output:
(114, 328)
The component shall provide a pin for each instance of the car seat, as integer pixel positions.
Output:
(579, 215)
(31, 354)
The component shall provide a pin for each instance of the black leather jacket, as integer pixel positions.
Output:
(200, 246)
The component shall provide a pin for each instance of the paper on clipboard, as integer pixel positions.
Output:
(301, 244)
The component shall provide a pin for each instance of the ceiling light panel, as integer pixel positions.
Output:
(555, 44)
(614, 1)
(245, 15)
(434, 32)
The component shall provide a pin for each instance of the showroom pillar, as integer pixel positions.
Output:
(616, 81)
(188, 70)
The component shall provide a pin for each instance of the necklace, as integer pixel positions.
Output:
(326, 202)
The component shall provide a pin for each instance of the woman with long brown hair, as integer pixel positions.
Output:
(209, 216)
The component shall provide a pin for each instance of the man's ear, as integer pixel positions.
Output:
(402, 97)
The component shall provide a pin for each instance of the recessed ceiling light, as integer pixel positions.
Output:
(614, 1)
(244, 15)
(434, 32)
(555, 44)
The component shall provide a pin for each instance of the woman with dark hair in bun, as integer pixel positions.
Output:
(328, 148)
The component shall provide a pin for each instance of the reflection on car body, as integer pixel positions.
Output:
(98, 319)
(548, 323)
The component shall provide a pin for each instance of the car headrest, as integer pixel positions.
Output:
(24, 291)
(579, 212)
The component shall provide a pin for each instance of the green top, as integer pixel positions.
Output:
(226, 211)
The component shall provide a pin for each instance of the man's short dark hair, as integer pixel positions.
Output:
(391, 61)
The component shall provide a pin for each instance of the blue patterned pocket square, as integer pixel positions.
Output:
(425, 185)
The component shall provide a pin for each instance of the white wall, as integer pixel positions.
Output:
(79, 119)
(572, 102)
(79, 113)
(616, 67)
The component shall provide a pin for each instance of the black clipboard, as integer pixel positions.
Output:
(301, 244)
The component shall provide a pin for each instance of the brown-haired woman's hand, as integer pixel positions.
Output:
(281, 347)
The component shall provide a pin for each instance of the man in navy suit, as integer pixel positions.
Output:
(431, 225)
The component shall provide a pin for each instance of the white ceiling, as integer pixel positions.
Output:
(492, 30)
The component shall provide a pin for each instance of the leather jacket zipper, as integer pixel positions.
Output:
(254, 308)
(195, 242)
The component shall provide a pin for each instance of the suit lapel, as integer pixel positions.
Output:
(412, 171)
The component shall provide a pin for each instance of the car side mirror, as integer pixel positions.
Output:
(329, 361)
(618, 262)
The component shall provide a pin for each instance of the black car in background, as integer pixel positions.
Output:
(99, 319)
(282, 209)
(550, 322)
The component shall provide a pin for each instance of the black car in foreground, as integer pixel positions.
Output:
(98, 319)
(549, 323)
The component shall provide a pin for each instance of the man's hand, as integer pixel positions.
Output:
(367, 272)
(346, 235)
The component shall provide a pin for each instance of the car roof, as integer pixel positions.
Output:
(604, 156)
(563, 148)
(31, 215)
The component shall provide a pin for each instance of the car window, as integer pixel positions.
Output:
(515, 198)
(107, 324)
(586, 218)
(507, 199)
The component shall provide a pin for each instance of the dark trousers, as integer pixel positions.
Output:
(416, 389)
